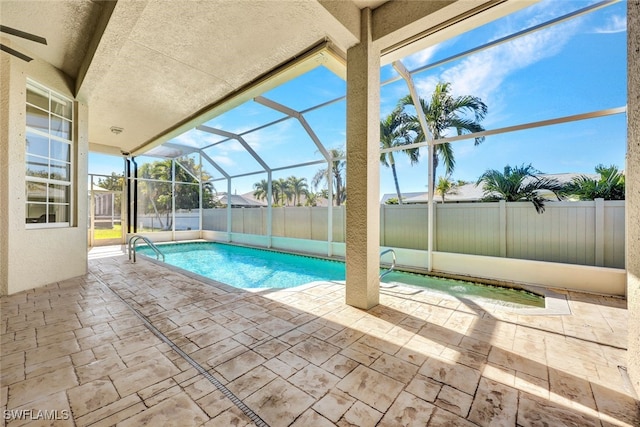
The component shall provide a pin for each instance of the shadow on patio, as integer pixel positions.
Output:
(225, 356)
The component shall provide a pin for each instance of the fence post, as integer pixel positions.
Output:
(310, 223)
(383, 237)
(599, 228)
(435, 225)
(502, 205)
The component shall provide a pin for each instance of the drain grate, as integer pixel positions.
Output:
(224, 390)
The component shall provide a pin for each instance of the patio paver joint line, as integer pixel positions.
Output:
(221, 387)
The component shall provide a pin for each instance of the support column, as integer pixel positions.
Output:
(633, 190)
(363, 169)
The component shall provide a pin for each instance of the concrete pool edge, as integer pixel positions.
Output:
(555, 302)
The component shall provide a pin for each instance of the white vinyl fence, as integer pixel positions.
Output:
(585, 233)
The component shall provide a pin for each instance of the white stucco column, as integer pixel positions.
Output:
(363, 170)
(633, 189)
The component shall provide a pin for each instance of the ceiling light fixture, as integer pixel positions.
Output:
(116, 130)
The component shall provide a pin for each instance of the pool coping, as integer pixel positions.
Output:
(556, 303)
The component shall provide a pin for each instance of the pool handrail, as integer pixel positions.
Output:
(133, 240)
(393, 264)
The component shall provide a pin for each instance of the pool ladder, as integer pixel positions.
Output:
(133, 240)
(393, 264)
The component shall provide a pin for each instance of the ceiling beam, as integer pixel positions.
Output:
(347, 14)
(315, 57)
(404, 27)
(116, 22)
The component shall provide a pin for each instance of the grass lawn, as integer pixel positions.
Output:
(105, 233)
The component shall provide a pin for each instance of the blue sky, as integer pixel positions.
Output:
(575, 67)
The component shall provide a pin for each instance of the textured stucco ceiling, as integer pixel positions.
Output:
(66, 24)
(178, 60)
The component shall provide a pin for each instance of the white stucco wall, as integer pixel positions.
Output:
(633, 190)
(4, 171)
(31, 258)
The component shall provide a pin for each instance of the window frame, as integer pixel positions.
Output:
(53, 158)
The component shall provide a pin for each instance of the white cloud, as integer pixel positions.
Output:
(222, 160)
(420, 58)
(195, 139)
(615, 24)
(271, 136)
(483, 74)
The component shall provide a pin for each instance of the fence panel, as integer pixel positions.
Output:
(586, 233)
(404, 226)
(297, 222)
(339, 224)
(614, 232)
(468, 228)
(277, 222)
(237, 221)
(319, 223)
(214, 219)
(253, 222)
(565, 232)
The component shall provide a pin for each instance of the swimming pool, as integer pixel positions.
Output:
(244, 267)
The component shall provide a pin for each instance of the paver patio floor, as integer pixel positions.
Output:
(146, 345)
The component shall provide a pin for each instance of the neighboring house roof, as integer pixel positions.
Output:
(320, 201)
(239, 201)
(463, 193)
(405, 196)
(473, 193)
(96, 188)
(565, 178)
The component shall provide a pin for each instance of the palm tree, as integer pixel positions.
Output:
(298, 187)
(396, 130)
(610, 185)
(338, 170)
(261, 189)
(275, 192)
(443, 112)
(311, 199)
(518, 183)
(281, 191)
(446, 186)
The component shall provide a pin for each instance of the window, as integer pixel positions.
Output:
(48, 157)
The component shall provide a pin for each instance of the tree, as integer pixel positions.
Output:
(311, 199)
(281, 191)
(397, 130)
(155, 185)
(392, 201)
(337, 172)
(518, 183)
(298, 187)
(609, 186)
(261, 189)
(444, 112)
(114, 183)
(446, 186)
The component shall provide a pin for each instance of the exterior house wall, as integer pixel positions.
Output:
(34, 257)
(633, 190)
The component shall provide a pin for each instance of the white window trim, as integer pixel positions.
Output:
(72, 178)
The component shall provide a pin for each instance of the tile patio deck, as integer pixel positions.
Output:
(193, 353)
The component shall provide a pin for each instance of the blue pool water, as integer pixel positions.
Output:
(244, 267)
